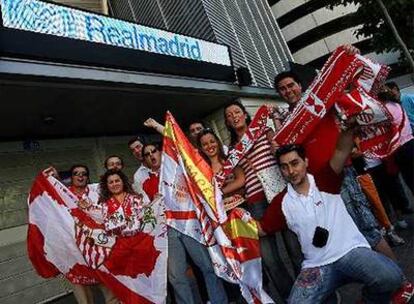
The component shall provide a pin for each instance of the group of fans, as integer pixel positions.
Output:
(332, 218)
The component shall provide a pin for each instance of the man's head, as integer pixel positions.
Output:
(152, 156)
(293, 163)
(194, 129)
(114, 162)
(395, 90)
(289, 87)
(135, 145)
(79, 176)
(389, 92)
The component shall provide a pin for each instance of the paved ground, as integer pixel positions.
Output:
(351, 293)
(405, 254)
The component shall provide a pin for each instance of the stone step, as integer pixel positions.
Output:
(15, 266)
(20, 284)
(39, 293)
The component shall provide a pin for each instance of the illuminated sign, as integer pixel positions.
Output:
(51, 19)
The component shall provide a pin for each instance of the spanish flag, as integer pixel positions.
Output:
(194, 207)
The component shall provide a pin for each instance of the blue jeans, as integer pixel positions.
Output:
(273, 264)
(359, 208)
(178, 245)
(379, 274)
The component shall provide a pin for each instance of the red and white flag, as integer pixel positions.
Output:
(194, 207)
(63, 239)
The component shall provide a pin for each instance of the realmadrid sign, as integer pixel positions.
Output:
(47, 18)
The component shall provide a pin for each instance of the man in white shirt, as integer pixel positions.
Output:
(335, 251)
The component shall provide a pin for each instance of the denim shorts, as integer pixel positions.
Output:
(359, 207)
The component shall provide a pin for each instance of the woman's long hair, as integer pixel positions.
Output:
(233, 134)
(105, 194)
(222, 155)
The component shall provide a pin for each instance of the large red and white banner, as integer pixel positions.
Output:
(64, 239)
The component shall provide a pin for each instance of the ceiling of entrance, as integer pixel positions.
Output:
(42, 108)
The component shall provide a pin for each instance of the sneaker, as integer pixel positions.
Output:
(394, 239)
(404, 294)
(338, 297)
(402, 224)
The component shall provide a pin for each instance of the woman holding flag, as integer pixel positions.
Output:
(259, 157)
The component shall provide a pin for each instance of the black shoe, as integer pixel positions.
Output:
(407, 210)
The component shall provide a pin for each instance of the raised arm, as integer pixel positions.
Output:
(343, 149)
(152, 123)
(51, 171)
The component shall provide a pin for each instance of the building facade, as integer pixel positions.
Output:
(247, 27)
(313, 31)
(67, 100)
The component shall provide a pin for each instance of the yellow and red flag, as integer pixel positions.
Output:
(194, 207)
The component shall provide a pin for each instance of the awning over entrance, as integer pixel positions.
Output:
(45, 100)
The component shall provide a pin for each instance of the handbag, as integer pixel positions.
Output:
(271, 179)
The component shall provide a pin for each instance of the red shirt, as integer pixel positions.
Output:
(150, 185)
(321, 143)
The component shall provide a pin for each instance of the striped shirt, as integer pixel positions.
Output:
(258, 158)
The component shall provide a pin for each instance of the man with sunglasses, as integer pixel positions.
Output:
(88, 197)
(79, 186)
(79, 178)
(180, 245)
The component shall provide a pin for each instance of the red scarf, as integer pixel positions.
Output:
(312, 123)
(377, 135)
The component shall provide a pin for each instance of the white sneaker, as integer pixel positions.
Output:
(394, 239)
(402, 224)
(338, 297)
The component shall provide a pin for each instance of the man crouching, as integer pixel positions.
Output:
(335, 251)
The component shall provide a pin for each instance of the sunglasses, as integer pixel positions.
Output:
(80, 173)
(146, 154)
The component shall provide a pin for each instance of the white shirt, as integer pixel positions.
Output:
(304, 213)
(140, 176)
(225, 150)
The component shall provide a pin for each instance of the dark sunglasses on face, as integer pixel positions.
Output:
(146, 154)
(81, 173)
